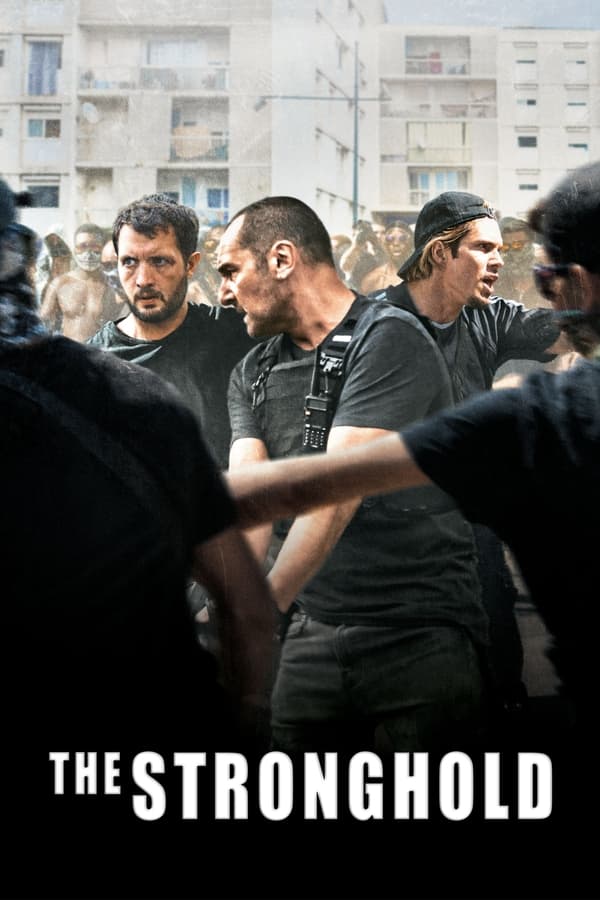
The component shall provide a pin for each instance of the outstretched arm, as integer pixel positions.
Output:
(275, 490)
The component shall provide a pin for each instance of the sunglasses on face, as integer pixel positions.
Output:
(513, 245)
(543, 276)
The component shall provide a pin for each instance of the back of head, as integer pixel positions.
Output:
(284, 218)
(159, 212)
(568, 219)
(19, 248)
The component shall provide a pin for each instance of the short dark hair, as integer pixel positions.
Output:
(159, 212)
(568, 219)
(510, 223)
(89, 228)
(284, 218)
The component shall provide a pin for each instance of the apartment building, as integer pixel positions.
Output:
(216, 104)
(500, 112)
(549, 110)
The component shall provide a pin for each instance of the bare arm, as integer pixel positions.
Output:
(245, 612)
(312, 537)
(244, 452)
(284, 487)
(50, 308)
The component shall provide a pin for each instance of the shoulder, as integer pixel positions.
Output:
(105, 336)
(383, 317)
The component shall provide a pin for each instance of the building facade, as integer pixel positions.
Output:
(214, 103)
(218, 104)
(500, 112)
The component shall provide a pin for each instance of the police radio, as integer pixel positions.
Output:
(318, 416)
(327, 379)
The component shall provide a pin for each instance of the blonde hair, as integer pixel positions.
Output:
(424, 265)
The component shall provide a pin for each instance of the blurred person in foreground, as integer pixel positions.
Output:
(110, 499)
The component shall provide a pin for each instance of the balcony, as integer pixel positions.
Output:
(471, 110)
(446, 155)
(154, 78)
(198, 144)
(436, 64)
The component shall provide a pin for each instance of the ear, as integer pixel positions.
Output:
(438, 253)
(282, 259)
(192, 262)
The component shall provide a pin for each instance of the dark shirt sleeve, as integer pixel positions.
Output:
(241, 415)
(523, 333)
(395, 375)
(473, 452)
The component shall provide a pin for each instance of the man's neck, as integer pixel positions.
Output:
(152, 331)
(89, 274)
(431, 301)
(322, 308)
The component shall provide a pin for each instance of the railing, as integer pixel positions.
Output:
(451, 155)
(478, 110)
(437, 65)
(154, 78)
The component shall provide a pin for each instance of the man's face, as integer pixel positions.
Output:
(153, 273)
(470, 276)
(252, 289)
(398, 244)
(517, 253)
(87, 251)
(210, 245)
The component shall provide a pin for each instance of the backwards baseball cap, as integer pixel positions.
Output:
(445, 211)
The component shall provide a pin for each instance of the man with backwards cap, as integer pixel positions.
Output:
(449, 284)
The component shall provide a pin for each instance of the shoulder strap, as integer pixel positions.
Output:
(328, 379)
(267, 359)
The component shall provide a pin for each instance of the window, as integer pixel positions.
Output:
(44, 63)
(427, 183)
(44, 195)
(527, 140)
(528, 186)
(576, 70)
(217, 198)
(43, 128)
(2, 57)
(526, 101)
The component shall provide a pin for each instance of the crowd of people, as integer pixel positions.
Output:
(369, 601)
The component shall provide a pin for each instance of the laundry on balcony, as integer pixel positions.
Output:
(192, 142)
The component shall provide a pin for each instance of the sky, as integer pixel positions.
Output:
(508, 13)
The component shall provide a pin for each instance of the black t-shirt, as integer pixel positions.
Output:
(408, 556)
(197, 359)
(479, 341)
(107, 488)
(526, 463)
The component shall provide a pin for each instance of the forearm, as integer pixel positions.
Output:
(285, 487)
(306, 547)
(244, 612)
